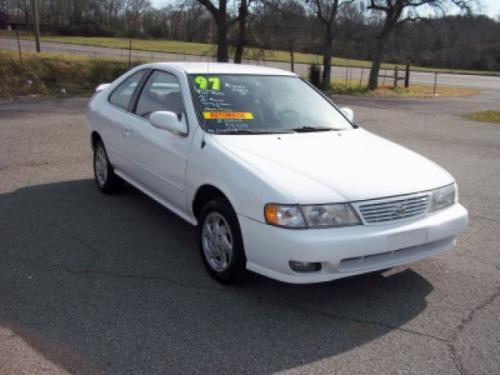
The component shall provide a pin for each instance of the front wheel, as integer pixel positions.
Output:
(220, 242)
(106, 179)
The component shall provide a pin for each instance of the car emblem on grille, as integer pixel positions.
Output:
(399, 210)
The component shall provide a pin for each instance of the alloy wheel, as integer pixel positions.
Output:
(217, 242)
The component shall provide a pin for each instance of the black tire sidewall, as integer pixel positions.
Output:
(237, 268)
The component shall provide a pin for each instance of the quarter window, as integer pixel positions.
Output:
(162, 92)
(122, 95)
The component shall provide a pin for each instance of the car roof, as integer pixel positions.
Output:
(220, 68)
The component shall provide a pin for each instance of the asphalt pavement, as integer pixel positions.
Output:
(98, 284)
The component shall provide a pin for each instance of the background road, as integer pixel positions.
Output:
(93, 284)
(339, 72)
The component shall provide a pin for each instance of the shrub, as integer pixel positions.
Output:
(41, 74)
(315, 75)
(85, 29)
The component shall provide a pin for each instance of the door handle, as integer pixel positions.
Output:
(127, 130)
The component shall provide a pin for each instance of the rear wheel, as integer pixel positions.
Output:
(220, 241)
(106, 179)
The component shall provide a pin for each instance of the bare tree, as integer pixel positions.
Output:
(224, 21)
(395, 13)
(291, 29)
(326, 12)
(281, 24)
(24, 6)
(221, 20)
(242, 30)
(134, 12)
(4, 6)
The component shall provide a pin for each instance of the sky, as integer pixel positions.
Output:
(492, 8)
(488, 7)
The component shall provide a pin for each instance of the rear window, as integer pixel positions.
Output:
(122, 95)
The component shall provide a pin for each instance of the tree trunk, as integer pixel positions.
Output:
(222, 45)
(26, 15)
(327, 65)
(292, 59)
(242, 32)
(376, 61)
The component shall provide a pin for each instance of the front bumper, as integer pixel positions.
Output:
(348, 251)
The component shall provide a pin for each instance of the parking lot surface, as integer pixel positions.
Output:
(96, 284)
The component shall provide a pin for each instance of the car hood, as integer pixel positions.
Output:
(333, 166)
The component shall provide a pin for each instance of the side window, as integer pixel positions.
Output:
(122, 95)
(162, 92)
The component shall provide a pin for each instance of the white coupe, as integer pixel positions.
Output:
(279, 180)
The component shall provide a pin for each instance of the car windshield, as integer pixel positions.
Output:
(258, 104)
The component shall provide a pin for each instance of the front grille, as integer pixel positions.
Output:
(383, 210)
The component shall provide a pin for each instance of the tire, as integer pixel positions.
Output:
(221, 248)
(106, 179)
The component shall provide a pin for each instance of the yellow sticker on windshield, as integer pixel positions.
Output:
(227, 115)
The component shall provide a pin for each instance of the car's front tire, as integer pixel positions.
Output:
(221, 243)
(106, 179)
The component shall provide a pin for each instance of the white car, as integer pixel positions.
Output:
(279, 180)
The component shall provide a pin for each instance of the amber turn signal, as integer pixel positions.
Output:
(271, 213)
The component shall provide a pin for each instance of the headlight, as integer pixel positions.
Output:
(443, 197)
(314, 216)
(331, 215)
(284, 216)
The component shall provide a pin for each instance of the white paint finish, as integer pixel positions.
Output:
(167, 120)
(328, 167)
(222, 68)
(272, 247)
(299, 168)
(159, 159)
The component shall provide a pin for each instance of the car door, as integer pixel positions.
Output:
(159, 155)
(119, 120)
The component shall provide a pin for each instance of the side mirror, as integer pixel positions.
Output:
(348, 112)
(167, 120)
(102, 86)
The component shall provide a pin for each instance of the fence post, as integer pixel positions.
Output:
(129, 52)
(385, 74)
(361, 77)
(435, 82)
(36, 25)
(407, 75)
(19, 45)
(395, 76)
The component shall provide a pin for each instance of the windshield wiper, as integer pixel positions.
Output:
(251, 131)
(305, 129)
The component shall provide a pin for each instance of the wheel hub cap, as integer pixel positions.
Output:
(217, 242)
(101, 166)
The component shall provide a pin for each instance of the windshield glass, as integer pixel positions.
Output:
(237, 103)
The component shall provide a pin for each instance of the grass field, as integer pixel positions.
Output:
(67, 74)
(202, 49)
(354, 88)
(55, 74)
(484, 116)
